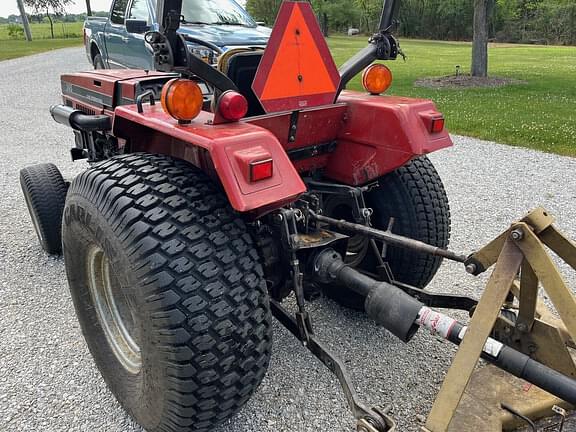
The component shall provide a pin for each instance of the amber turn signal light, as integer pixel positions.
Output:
(376, 79)
(182, 99)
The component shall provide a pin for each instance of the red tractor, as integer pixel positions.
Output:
(215, 192)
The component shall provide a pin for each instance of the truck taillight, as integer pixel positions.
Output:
(85, 36)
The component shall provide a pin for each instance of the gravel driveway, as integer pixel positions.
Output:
(48, 381)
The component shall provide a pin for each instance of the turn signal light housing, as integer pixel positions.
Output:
(232, 105)
(376, 79)
(261, 170)
(182, 99)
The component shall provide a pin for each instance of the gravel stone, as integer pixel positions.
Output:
(48, 381)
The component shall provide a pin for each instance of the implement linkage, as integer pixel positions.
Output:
(525, 348)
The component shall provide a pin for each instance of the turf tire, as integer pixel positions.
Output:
(415, 197)
(189, 271)
(98, 62)
(44, 190)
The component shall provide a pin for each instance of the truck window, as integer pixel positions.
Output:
(217, 12)
(139, 10)
(119, 12)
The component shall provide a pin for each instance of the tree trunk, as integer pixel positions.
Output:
(25, 22)
(480, 41)
(88, 8)
(51, 23)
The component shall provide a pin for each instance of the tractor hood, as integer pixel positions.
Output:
(228, 35)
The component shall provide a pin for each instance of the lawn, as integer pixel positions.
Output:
(67, 35)
(540, 114)
(18, 48)
(62, 30)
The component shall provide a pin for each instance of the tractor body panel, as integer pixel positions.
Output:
(354, 141)
(224, 151)
(381, 134)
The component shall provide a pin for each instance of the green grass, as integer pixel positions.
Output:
(18, 48)
(62, 30)
(67, 35)
(540, 114)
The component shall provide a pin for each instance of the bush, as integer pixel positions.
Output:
(15, 31)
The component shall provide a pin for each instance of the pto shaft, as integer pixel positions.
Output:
(402, 315)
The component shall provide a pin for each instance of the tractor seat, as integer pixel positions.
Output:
(240, 65)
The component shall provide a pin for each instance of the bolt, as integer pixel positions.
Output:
(517, 234)
(522, 327)
(471, 268)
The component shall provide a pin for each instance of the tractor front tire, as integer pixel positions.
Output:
(44, 190)
(169, 291)
(415, 197)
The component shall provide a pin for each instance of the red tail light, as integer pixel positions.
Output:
(85, 36)
(261, 170)
(232, 105)
(433, 120)
(437, 125)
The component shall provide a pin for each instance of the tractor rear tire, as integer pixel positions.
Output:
(415, 197)
(44, 190)
(169, 291)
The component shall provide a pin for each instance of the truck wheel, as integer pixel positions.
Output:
(45, 192)
(415, 197)
(168, 289)
(98, 62)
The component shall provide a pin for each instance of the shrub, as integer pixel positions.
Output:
(15, 31)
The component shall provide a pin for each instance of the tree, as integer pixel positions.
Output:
(56, 6)
(25, 23)
(480, 39)
(264, 10)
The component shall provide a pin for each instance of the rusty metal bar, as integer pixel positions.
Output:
(390, 238)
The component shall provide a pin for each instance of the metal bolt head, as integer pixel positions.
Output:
(517, 234)
(471, 268)
(522, 327)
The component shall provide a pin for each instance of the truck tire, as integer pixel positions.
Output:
(415, 197)
(98, 62)
(169, 291)
(44, 190)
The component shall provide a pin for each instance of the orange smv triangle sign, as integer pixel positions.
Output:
(297, 70)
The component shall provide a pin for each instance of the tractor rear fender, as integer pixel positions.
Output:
(223, 151)
(381, 134)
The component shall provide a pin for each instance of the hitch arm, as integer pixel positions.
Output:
(389, 237)
(375, 418)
